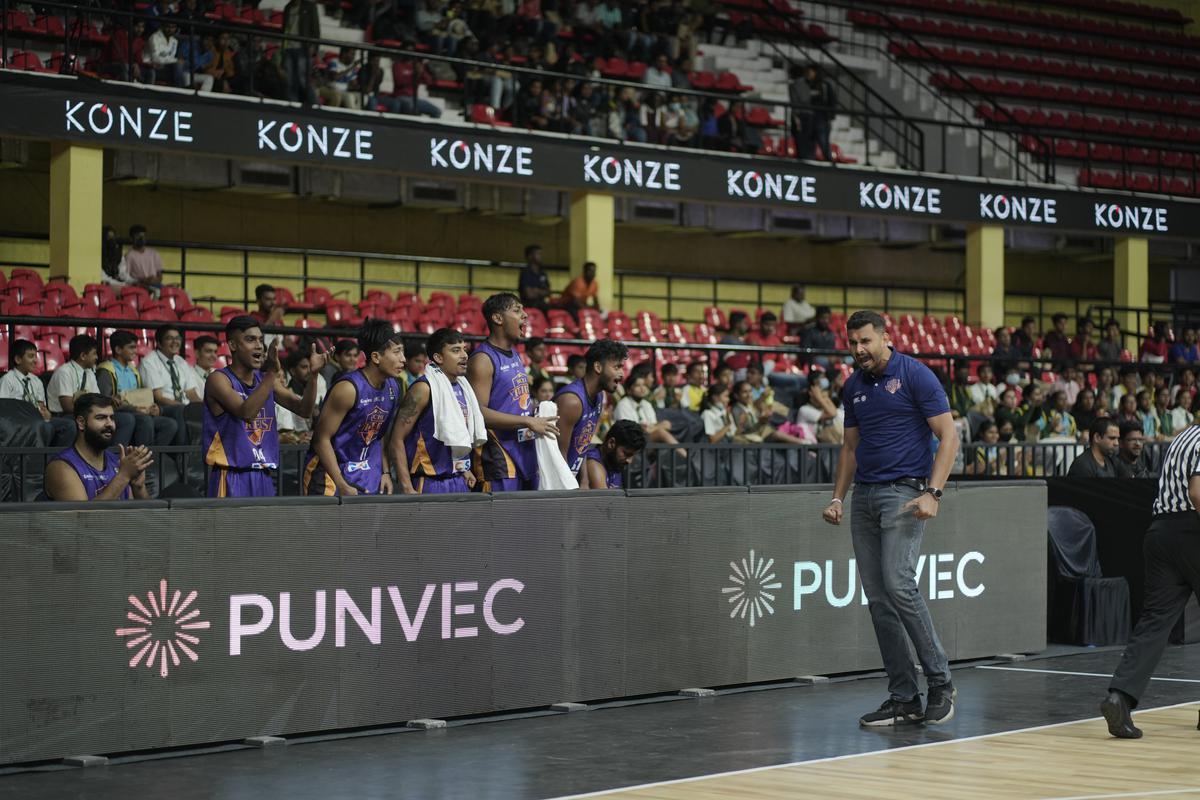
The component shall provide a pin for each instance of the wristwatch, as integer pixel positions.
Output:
(937, 493)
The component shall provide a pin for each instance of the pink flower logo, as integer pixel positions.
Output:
(162, 629)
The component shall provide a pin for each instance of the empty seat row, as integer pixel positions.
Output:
(1074, 95)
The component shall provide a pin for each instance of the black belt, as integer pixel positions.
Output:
(919, 484)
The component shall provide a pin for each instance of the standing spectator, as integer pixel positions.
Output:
(691, 395)
(800, 105)
(1082, 347)
(1025, 338)
(143, 262)
(1156, 348)
(300, 19)
(583, 291)
(19, 383)
(1130, 458)
(1186, 351)
(797, 312)
(118, 379)
(534, 285)
(1099, 460)
(823, 102)
(1181, 414)
(173, 381)
(76, 377)
(821, 336)
(206, 348)
(1056, 339)
(1005, 351)
(1111, 348)
(714, 410)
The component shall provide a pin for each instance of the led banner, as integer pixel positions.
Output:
(121, 116)
(136, 628)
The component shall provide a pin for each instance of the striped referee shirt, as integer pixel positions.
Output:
(1180, 464)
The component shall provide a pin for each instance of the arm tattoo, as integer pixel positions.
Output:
(408, 410)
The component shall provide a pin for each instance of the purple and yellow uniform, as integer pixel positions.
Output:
(585, 428)
(358, 441)
(613, 480)
(509, 459)
(433, 467)
(93, 480)
(241, 454)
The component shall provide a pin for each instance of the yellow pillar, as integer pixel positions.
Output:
(985, 276)
(76, 212)
(592, 229)
(1131, 285)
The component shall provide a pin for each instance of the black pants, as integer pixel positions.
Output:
(1172, 550)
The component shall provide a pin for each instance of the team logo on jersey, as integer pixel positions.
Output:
(372, 424)
(258, 427)
(584, 437)
(520, 390)
(892, 386)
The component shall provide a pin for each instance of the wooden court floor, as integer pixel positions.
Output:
(1069, 761)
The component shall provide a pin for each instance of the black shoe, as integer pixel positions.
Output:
(1115, 709)
(893, 712)
(940, 707)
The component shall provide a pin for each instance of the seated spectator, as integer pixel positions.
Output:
(114, 271)
(1055, 340)
(733, 132)
(670, 395)
(797, 312)
(658, 76)
(714, 411)
(408, 75)
(88, 470)
(1059, 422)
(1099, 460)
(1006, 353)
(1182, 415)
(990, 458)
(588, 112)
(1156, 348)
(1186, 383)
(627, 118)
(821, 412)
(723, 375)
(124, 53)
(162, 56)
(1186, 351)
(636, 407)
(414, 365)
(576, 368)
(1082, 347)
(739, 326)
(1069, 382)
(1131, 461)
(76, 377)
(1151, 427)
(820, 336)
(268, 312)
(958, 392)
(749, 426)
(1008, 411)
(1130, 383)
(138, 421)
(206, 348)
(293, 428)
(534, 285)
(345, 359)
(143, 262)
(223, 65)
(1033, 412)
(1106, 384)
(535, 349)
(1085, 411)
(19, 383)
(1127, 410)
(1162, 410)
(691, 396)
(583, 291)
(173, 381)
(767, 335)
(195, 58)
(1111, 346)
(984, 393)
(541, 388)
(1025, 338)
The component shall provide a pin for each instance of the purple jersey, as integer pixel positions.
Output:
(93, 480)
(585, 428)
(426, 455)
(236, 444)
(358, 441)
(509, 453)
(613, 480)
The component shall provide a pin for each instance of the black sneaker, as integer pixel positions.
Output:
(893, 712)
(940, 707)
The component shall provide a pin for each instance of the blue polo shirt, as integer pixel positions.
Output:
(890, 413)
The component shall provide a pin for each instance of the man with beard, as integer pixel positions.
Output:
(438, 423)
(603, 464)
(500, 383)
(581, 402)
(88, 470)
(894, 405)
(1098, 460)
(241, 439)
(346, 455)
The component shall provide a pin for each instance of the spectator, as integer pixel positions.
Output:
(1082, 347)
(345, 359)
(1129, 383)
(1056, 339)
(76, 377)
(89, 470)
(268, 312)
(739, 326)
(823, 105)
(1111, 347)
(670, 387)
(1146, 415)
(767, 335)
(1131, 462)
(19, 383)
(143, 262)
(138, 421)
(636, 407)
(408, 75)
(1005, 351)
(658, 76)
(174, 382)
(205, 348)
(714, 410)
(1186, 351)
(692, 393)
(292, 427)
(1099, 460)
(1162, 410)
(959, 391)
(162, 56)
(989, 459)
(748, 423)
(123, 57)
(1059, 422)
(734, 134)
(535, 349)
(583, 291)
(338, 78)
(1127, 410)
(1033, 412)
(984, 393)
(576, 368)
(195, 58)
(414, 365)
(1069, 382)
(626, 117)
(1009, 412)
(112, 265)
(797, 312)
(1025, 338)
(542, 388)
(821, 336)
(1186, 383)
(534, 286)
(1181, 414)
(1084, 411)
(820, 412)
(300, 19)
(1106, 385)
(222, 65)
(723, 374)
(1156, 348)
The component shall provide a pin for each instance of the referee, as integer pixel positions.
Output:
(894, 406)
(1172, 556)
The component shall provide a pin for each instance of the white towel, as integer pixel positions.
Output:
(449, 427)
(553, 472)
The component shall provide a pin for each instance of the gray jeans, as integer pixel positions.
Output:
(887, 542)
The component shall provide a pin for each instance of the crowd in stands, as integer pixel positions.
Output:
(568, 44)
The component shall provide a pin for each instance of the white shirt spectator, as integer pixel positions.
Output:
(714, 421)
(17, 386)
(69, 380)
(798, 313)
(156, 374)
(1180, 417)
(287, 421)
(201, 374)
(981, 391)
(162, 50)
(640, 411)
(658, 78)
